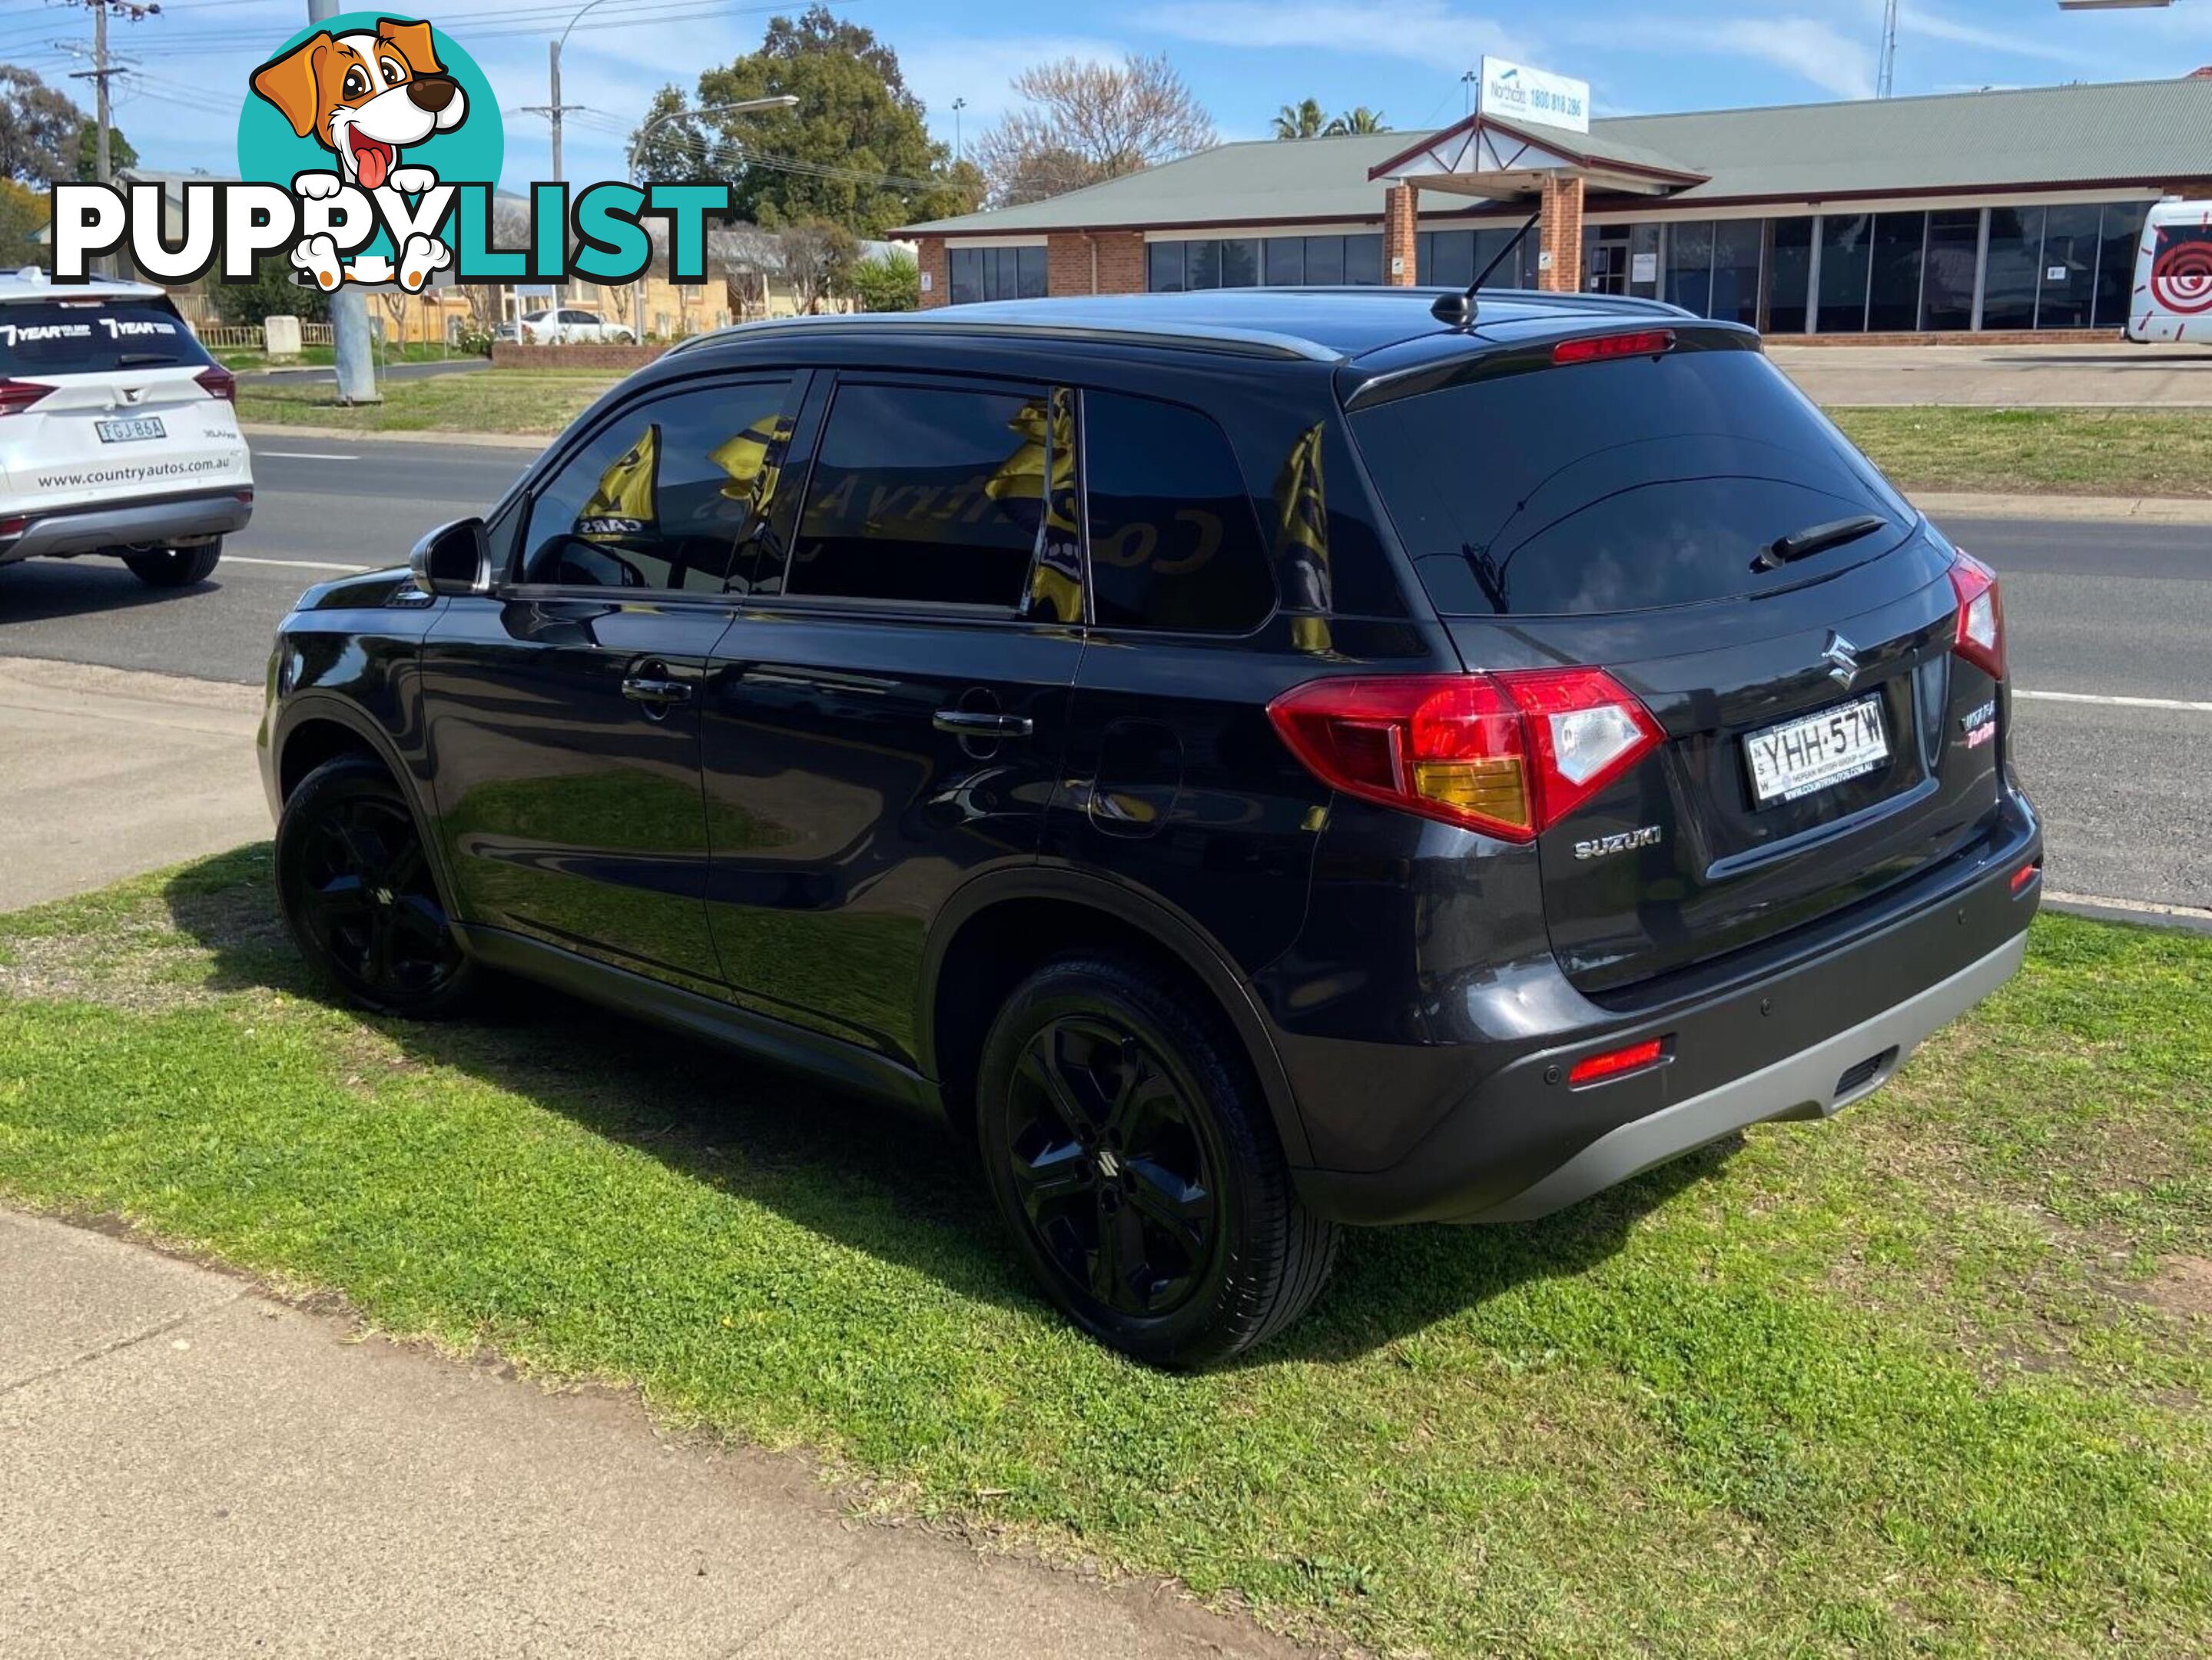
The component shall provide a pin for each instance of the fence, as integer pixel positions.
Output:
(248, 336)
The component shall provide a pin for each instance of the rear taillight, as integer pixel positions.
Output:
(16, 395)
(1980, 638)
(1597, 348)
(1509, 754)
(220, 383)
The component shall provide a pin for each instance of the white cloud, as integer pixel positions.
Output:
(1423, 31)
(1933, 26)
(1814, 50)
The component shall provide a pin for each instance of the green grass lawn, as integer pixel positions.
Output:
(1931, 1378)
(534, 401)
(2061, 452)
(413, 351)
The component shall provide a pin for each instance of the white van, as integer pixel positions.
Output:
(2173, 295)
(117, 433)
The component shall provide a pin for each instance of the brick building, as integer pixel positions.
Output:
(2012, 212)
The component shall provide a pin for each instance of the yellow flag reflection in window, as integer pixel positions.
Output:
(626, 502)
(1035, 484)
(753, 461)
(1302, 541)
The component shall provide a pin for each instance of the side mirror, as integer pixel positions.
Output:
(453, 558)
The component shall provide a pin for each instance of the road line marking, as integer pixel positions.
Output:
(293, 564)
(307, 455)
(2195, 913)
(2117, 702)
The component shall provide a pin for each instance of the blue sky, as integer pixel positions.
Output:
(1243, 56)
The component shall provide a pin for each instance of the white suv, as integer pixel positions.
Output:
(117, 433)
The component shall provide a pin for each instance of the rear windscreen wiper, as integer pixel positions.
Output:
(125, 359)
(1817, 539)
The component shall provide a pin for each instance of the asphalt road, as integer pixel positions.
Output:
(2096, 612)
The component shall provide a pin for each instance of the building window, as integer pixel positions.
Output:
(1846, 247)
(1947, 292)
(2067, 285)
(1453, 258)
(1690, 266)
(2009, 272)
(1789, 275)
(1900, 242)
(1284, 261)
(996, 273)
(2122, 235)
(1164, 267)
(1230, 262)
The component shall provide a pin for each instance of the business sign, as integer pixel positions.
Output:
(1516, 92)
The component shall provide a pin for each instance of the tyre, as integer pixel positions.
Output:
(1130, 1152)
(357, 887)
(625, 339)
(176, 568)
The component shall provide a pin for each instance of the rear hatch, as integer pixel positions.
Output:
(1820, 737)
(110, 398)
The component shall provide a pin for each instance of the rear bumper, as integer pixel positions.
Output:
(1801, 1035)
(161, 523)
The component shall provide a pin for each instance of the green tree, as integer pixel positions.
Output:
(853, 151)
(270, 294)
(23, 216)
(1361, 120)
(1304, 119)
(889, 282)
(120, 154)
(38, 129)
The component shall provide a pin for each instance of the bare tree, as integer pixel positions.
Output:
(816, 253)
(1086, 122)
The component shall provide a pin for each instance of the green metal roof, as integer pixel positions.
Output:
(2150, 133)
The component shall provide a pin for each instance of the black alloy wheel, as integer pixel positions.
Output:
(1132, 1154)
(359, 894)
(1115, 1178)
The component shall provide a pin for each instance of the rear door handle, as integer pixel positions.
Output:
(982, 723)
(646, 689)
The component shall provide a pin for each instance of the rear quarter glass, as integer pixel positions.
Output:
(93, 336)
(1629, 484)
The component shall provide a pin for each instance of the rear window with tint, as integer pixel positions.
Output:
(86, 337)
(1617, 486)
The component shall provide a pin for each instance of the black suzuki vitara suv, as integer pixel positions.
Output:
(1252, 762)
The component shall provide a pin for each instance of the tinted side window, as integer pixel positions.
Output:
(670, 495)
(1174, 544)
(935, 495)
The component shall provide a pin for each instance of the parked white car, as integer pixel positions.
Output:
(567, 326)
(118, 434)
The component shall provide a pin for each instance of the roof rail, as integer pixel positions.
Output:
(1245, 342)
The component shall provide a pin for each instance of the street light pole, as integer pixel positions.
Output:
(743, 107)
(959, 150)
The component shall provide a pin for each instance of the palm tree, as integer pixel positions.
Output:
(1304, 119)
(1362, 119)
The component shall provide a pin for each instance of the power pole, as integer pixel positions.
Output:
(553, 112)
(350, 344)
(100, 74)
(1885, 79)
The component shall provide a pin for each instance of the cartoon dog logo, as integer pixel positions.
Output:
(362, 97)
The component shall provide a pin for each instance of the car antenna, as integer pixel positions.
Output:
(1458, 310)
